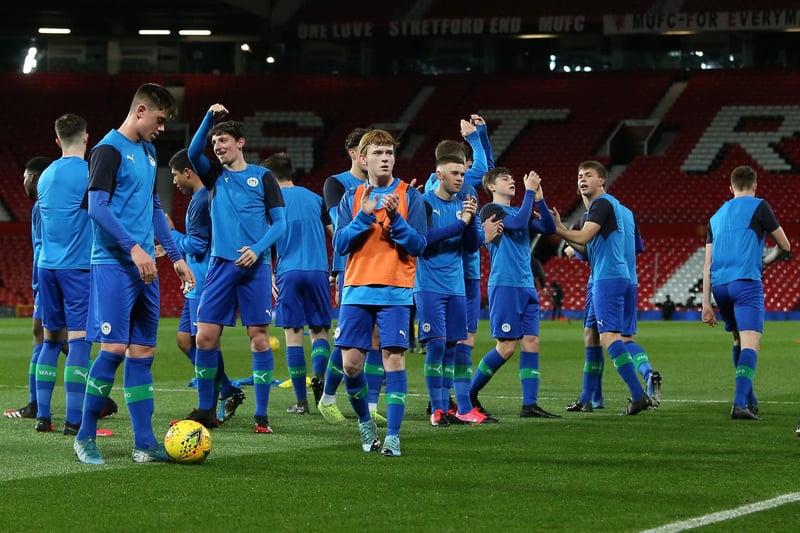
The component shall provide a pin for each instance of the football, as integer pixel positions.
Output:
(274, 343)
(188, 442)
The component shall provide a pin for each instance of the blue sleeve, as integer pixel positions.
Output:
(471, 239)
(410, 234)
(580, 256)
(101, 214)
(162, 232)
(435, 235)
(487, 146)
(474, 176)
(546, 224)
(195, 242)
(198, 235)
(639, 243)
(349, 228)
(197, 147)
(276, 230)
(523, 216)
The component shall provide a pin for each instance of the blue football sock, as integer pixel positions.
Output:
(396, 389)
(320, 353)
(76, 370)
(192, 354)
(751, 396)
(334, 372)
(744, 377)
(462, 377)
(263, 366)
(624, 364)
(488, 365)
(597, 395)
(356, 387)
(205, 372)
(434, 372)
(46, 372)
(448, 376)
(640, 359)
(37, 349)
(223, 382)
(592, 374)
(296, 364)
(373, 368)
(529, 377)
(138, 383)
(98, 388)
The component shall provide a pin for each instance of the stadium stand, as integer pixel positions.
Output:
(543, 122)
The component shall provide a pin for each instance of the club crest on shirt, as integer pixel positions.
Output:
(152, 160)
(458, 214)
(253, 182)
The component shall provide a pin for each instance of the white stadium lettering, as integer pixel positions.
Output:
(758, 144)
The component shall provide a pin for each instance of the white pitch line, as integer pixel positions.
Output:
(730, 514)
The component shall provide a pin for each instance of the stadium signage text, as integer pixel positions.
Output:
(413, 28)
(772, 19)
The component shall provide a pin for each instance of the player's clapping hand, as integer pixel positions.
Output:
(468, 209)
(390, 202)
(368, 203)
(218, 111)
(492, 228)
(556, 217)
(467, 128)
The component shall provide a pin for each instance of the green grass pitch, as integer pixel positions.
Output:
(585, 472)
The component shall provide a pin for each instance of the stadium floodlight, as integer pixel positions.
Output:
(187, 33)
(154, 32)
(55, 31)
(29, 64)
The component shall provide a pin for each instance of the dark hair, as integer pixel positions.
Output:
(492, 175)
(181, 160)
(70, 128)
(743, 178)
(449, 146)
(231, 127)
(38, 164)
(595, 165)
(450, 158)
(280, 165)
(157, 96)
(353, 138)
(33, 169)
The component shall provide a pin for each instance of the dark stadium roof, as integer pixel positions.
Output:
(115, 19)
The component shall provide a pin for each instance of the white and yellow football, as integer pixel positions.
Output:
(188, 442)
(274, 343)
